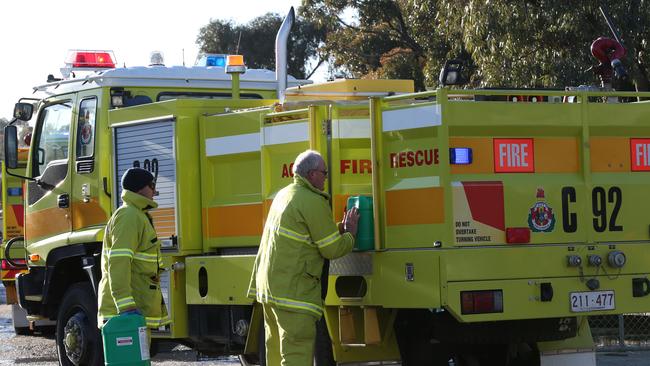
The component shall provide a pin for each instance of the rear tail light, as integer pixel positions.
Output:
(517, 235)
(481, 302)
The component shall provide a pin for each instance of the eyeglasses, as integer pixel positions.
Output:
(324, 172)
(152, 185)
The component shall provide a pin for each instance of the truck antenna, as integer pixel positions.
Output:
(610, 24)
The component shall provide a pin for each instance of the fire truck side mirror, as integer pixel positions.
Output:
(23, 111)
(11, 147)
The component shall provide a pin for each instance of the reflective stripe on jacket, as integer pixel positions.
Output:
(131, 263)
(299, 232)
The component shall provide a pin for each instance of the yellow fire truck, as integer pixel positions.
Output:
(12, 251)
(13, 259)
(498, 227)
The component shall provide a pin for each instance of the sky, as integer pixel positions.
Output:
(36, 35)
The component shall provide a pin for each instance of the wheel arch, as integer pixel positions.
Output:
(66, 266)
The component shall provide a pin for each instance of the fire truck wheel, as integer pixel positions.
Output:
(78, 340)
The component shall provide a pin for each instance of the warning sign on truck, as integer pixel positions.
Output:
(478, 213)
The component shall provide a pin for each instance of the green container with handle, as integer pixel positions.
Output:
(365, 228)
(126, 341)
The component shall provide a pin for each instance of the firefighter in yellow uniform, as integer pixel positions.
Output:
(131, 259)
(298, 235)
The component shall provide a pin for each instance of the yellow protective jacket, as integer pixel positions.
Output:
(299, 232)
(131, 263)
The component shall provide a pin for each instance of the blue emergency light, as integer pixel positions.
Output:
(14, 191)
(216, 60)
(460, 155)
(211, 59)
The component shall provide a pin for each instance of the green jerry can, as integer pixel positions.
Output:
(126, 341)
(365, 229)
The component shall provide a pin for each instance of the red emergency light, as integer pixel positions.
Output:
(91, 59)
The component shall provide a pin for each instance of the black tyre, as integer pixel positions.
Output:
(323, 354)
(78, 340)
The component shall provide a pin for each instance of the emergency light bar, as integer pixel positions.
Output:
(232, 63)
(156, 58)
(219, 61)
(211, 59)
(235, 64)
(90, 59)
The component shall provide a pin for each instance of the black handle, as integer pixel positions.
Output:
(63, 200)
(105, 182)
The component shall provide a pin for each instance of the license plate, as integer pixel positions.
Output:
(592, 301)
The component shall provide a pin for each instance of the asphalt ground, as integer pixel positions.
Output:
(39, 349)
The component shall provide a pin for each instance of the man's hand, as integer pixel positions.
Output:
(350, 220)
(131, 311)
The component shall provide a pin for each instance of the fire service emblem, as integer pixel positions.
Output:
(541, 217)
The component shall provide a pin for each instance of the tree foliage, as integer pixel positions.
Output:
(543, 43)
(504, 43)
(256, 41)
(387, 38)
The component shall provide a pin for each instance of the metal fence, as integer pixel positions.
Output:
(621, 332)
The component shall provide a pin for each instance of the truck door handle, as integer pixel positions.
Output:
(63, 200)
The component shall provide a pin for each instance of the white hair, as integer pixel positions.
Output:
(305, 162)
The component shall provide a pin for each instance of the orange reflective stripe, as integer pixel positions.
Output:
(415, 206)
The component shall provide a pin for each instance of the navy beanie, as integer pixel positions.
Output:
(135, 179)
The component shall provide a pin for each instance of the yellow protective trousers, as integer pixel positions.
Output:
(290, 337)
